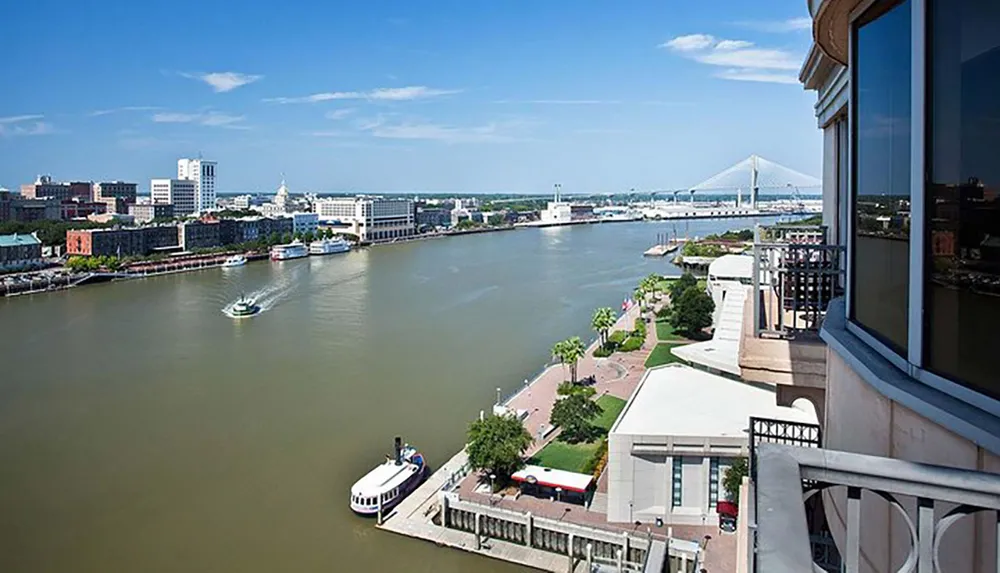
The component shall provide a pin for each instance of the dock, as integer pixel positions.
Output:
(659, 250)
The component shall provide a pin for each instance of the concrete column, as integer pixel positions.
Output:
(569, 552)
(684, 562)
(620, 561)
(528, 529)
(444, 510)
(379, 519)
(625, 543)
(479, 540)
(590, 558)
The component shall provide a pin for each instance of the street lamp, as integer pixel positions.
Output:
(498, 395)
(493, 478)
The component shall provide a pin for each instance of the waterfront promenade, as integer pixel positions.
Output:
(617, 375)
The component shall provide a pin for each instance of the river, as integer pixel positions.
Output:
(143, 430)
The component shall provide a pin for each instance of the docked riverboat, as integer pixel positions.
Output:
(294, 250)
(235, 261)
(329, 246)
(387, 484)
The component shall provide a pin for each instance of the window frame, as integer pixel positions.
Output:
(920, 76)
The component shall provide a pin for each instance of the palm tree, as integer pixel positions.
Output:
(652, 284)
(602, 321)
(569, 352)
(575, 350)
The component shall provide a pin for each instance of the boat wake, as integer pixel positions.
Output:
(266, 298)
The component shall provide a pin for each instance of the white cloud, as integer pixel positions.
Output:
(733, 45)
(221, 82)
(15, 125)
(380, 127)
(378, 94)
(208, 119)
(330, 133)
(779, 26)
(757, 76)
(689, 43)
(745, 60)
(101, 112)
(339, 113)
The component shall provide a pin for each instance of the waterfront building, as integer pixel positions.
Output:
(282, 199)
(146, 212)
(202, 172)
(180, 193)
(670, 447)
(433, 217)
(304, 222)
(462, 214)
(370, 218)
(193, 235)
(120, 242)
(904, 369)
(19, 252)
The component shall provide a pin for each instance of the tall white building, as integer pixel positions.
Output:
(202, 172)
(370, 218)
(181, 193)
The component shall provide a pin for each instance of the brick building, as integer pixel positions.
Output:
(20, 252)
(120, 242)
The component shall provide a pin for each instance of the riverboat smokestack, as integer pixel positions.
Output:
(398, 450)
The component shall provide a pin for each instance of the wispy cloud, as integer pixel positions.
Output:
(561, 101)
(339, 113)
(745, 60)
(494, 132)
(208, 119)
(378, 94)
(221, 82)
(15, 125)
(778, 26)
(101, 112)
(330, 133)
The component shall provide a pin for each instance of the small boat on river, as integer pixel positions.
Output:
(235, 261)
(244, 307)
(387, 484)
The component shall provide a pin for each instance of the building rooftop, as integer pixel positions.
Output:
(732, 267)
(18, 239)
(722, 352)
(678, 400)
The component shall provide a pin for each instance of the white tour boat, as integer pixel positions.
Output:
(294, 250)
(390, 482)
(329, 246)
(235, 261)
(244, 307)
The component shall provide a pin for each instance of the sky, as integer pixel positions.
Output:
(381, 96)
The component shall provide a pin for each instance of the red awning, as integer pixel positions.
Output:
(727, 508)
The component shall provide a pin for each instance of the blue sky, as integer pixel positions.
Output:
(384, 95)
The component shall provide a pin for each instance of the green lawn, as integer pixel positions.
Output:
(661, 355)
(612, 406)
(562, 456)
(574, 457)
(665, 332)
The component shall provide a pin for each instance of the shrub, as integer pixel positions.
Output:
(569, 388)
(617, 337)
(664, 312)
(595, 465)
(640, 328)
(604, 351)
(631, 344)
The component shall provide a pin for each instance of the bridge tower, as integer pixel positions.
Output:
(754, 186)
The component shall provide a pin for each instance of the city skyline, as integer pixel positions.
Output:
(386, 98)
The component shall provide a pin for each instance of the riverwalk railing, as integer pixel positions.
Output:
(795, 276)
(616, 550)
(928, 499)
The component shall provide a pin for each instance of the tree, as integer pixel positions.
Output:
(732, 479)
(603, 321)
(309, 236)
(569, 352)
(680, 285)
(651, 284)
(496, 444)
(575, 414)
(692, 312)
